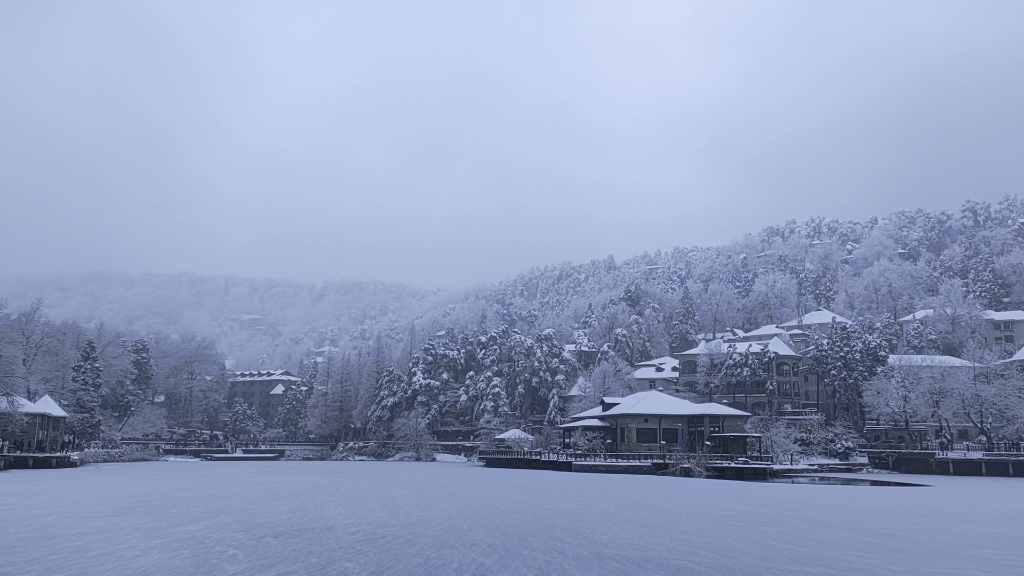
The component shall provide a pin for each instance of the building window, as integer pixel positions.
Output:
(645, 420)
(647, 435)
(714, 425)
(1007, 327)
(999, 339)
(784, 370)
(670, 435)
(695, 434)
(622, 435)
(688, 367)
(1008, 339)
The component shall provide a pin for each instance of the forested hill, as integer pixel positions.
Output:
(250, 319)
(885, 267)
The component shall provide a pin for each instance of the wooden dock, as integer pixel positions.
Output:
(948, 464)
(29, 461)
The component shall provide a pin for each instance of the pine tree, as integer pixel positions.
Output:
(849, 356)
(291, 417)
(920, 338)
(685, 323)
(142, 373)
(245, 421)
(390, 399)
(589, 319)
(85, 420)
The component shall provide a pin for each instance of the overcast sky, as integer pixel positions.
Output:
(445, 144)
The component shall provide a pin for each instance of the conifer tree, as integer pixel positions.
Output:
(85, 420)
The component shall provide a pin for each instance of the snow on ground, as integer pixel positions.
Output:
(450, 458)
(419, 518)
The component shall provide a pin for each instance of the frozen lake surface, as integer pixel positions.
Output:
(412, 518)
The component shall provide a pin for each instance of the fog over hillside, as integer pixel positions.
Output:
(764, 277)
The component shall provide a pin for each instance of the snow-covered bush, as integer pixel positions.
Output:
(584, 441)
(127, 454)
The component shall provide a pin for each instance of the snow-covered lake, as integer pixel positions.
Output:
(412, 518)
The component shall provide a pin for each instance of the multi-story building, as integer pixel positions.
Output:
(797, 387)
(1004, 327)
(660, 373)
(264, 390)
(998, 328)
(585, 355)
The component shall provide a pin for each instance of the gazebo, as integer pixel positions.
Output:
(515, 438)
(41, 428)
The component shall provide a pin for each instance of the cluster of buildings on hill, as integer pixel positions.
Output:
(798, 388)
(800, 394)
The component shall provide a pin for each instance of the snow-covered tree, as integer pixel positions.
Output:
(712, 367)
(412, 432)
(291, 417)
(391, 399)
(743, 367)
(685, 323)
(920, 338)
(84, 417)
(244, 421)
(893, 393)
(847, 357)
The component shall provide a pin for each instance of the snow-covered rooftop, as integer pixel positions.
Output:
(514, 434)
(819, 316)
(266, 375)
(665, 361)
(1018, 357)
(50, 406)
(775, 344)
(578, 348)
(279, 389)
(927, 360)
(655, 403)
(44, 405)
(1007, 316)
(588, 423)
(769, 330)
(918, 315)
(656, 373)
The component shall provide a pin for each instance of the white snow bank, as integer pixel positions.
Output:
(450, 458)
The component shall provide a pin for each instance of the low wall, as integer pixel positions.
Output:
(193, 452)
(614, 467)
(529, 464)
(930, 463)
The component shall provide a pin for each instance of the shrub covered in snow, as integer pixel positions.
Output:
(127, 454)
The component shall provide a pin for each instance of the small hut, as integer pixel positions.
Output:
(515, 438)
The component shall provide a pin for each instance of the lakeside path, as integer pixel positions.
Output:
(441, 518)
